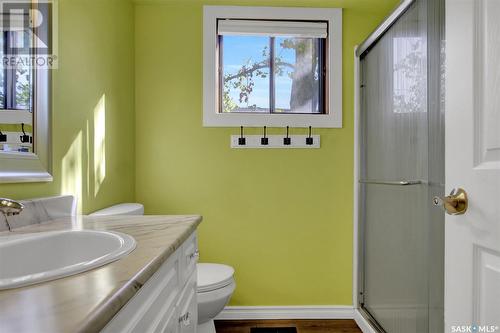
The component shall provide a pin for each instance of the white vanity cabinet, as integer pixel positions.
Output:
(167, 301)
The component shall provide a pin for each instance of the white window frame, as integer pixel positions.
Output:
(213, 118)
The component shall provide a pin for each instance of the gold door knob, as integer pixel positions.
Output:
(454, 204)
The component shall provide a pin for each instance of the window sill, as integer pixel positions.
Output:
(272, 120)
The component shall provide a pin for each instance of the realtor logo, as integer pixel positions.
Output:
(31, 34)
(474, 328)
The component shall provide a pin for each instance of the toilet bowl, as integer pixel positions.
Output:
(215, 287)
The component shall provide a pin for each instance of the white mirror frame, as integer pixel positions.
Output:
(21, 167)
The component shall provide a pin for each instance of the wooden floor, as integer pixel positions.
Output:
(303, 325)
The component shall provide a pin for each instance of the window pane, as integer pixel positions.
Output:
(23, 88)
(23, 75)
(245, 74)
(297, 83)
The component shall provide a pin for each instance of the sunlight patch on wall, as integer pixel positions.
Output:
(72, 171)
(87, 160)
(99, 144)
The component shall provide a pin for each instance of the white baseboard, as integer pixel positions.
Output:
(287, 312)
(363, 324)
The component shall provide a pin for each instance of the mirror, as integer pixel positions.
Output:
(16, 93)
(27, 57)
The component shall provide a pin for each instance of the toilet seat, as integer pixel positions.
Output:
(214, 276)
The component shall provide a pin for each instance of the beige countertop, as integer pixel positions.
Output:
(87, 301)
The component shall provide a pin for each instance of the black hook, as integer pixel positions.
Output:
(25, 138)
(3, 137)
(264, 140)
(287, 140)
(309, 139)
(241, 140)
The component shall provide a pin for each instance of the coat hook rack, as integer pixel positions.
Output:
(265, 141)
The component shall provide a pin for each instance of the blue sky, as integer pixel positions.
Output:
(238, 50)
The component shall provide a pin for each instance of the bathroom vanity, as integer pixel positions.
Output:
(167, 302)
(152, 289)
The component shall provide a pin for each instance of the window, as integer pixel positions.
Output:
(263, 69)
(15, 81)
(266, 66)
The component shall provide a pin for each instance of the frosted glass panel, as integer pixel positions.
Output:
(396, 257)
(402, 129)
(395, 102)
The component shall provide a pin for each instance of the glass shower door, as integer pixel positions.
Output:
(400, 245)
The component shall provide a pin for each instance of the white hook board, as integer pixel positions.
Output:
(275, 141)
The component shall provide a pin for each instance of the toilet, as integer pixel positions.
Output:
(215, 281)
(215, 288)
(121, 209)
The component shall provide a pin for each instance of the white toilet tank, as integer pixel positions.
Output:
(121, 209)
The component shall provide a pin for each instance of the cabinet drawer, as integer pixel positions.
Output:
(187, 307)
(167, 301)
(152, 303)
(184, 318)
(169, 324)
(190, 256)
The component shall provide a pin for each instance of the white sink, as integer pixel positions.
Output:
(34, 258)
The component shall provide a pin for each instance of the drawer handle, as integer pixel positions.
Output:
(195, 255)
(185, 319)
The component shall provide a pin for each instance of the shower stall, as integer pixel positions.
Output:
(401, 168)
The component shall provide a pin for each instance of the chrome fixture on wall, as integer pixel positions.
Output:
(10, 207)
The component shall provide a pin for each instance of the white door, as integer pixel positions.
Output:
(472, 241)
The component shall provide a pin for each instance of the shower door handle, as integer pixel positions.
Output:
(454, 204)
(391, 182)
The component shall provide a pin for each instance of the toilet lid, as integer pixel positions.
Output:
(214, 276)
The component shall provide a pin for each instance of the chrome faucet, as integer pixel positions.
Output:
(10, 207)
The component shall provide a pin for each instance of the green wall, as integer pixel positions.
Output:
(282, 218)
(96, 58)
